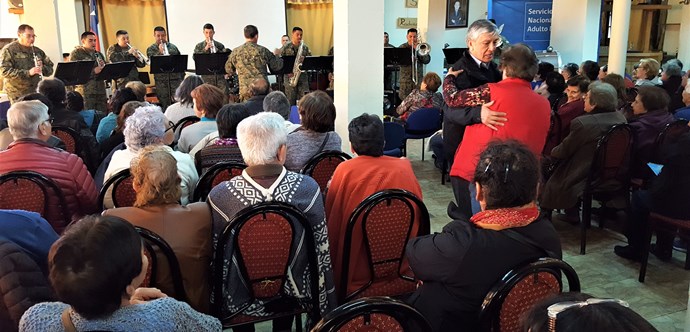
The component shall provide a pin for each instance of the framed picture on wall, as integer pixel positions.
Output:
(456, 13)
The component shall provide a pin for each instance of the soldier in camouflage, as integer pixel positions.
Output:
(95, 97)
(250, 61)
(122, 52)
(406, 82)
(208, 46)
(292, 48)
(22, 64)
(164, 89)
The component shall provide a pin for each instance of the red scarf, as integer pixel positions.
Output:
(506, 218)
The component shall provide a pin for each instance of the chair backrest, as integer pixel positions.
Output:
(377, 313)
(183, 123)
(30, 191)
(668, 135)
(294, 115)
(216, 174)
(394, 134)
(321, 166)
(520, 289)
(214, 154)
(70, 137)
(122, 192)
(424, 121)
(386, 220)
(612, 157)
(264, 239)
(153, 241)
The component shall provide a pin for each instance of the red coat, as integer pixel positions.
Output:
(528, 122)
(66, 169)
(353, 181)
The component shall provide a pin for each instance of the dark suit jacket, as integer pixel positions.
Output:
(455, 119)
(576, 153)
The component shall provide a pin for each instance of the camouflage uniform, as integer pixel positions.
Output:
(294, 93)
(119, 54)
(165, 92)
(218, 79)
(249, 61)
(406, 83)
(15, 62)
(95, 97)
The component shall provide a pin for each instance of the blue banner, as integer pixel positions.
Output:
(524, 21)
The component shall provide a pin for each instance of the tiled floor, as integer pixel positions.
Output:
(662, 299)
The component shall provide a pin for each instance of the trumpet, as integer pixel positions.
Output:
(139, 55)
(211, 44)
(422, 49)
(165, 49)
(37, 62)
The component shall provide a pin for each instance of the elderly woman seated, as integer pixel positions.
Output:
(147, 127)
(647, 72)
(459, 266)
(569, 70)
(575, 153)
(424, 97)
(650, 109)
(573, 107)
(208, 99)
(221, 145)
(96, 268)
(262, 140)
(117, 137)
(184, 106)
(317, 114)
(185, 228)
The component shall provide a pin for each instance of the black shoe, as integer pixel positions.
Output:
(663, 255)
(628, 252)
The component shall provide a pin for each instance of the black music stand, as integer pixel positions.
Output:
(74, 72)
(168, 64)
(318, 64)
(453, 55)
(288, 63)
(211, 64)
(113, 71)
(395, 58)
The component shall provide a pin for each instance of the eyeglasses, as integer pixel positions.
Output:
(171, 126)
(50, 120)
(555, 309)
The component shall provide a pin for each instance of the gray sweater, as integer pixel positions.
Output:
(302, 145)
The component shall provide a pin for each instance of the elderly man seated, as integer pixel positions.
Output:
(263, 141)
(30, 127)
(355, 180)
(259, 89)
(277, 102)
(147, 127)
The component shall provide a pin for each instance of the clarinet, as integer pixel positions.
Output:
(36, 60)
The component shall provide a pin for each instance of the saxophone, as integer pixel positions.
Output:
(297, 68)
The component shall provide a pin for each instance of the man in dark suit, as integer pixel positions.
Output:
(476, 69)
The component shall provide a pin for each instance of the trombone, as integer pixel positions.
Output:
(422, 49)
(139, 55)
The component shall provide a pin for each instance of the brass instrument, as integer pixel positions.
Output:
(297, 68)
(165, 49)
(422, 49)
(210, 42)
(37, 61)
(140, 56)
(99, 61)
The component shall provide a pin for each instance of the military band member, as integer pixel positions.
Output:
(95, 97)
(164, 87)
(120, 52)
(250, 61)
(291, 48)
(208, 46)
(406, 82)
(22, 65)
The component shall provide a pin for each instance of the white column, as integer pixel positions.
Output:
(358, 70)
(42, 16)
(69, 26)
(684, 36)
(431, 23)
(575, 29)
(618, 48)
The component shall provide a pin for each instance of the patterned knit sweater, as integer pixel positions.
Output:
(229, 197)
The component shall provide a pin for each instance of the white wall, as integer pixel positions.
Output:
(8, 22)
(42, 16)
(684, 34)
(69, 26)
(186, 20)
(575, 32)
(392, 10)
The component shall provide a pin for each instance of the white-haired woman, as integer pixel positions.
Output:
(262, 139)
(147, 127)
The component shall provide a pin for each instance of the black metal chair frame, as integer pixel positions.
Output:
(203, 187)
(112, 182)
(489, 312)
(363, 210)
(152, 239)
(78, 148)
(233, 229)
(42, 181)
(660, 140)
(177, 128)
(402, 312)
(594, 174)
(309, 167)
